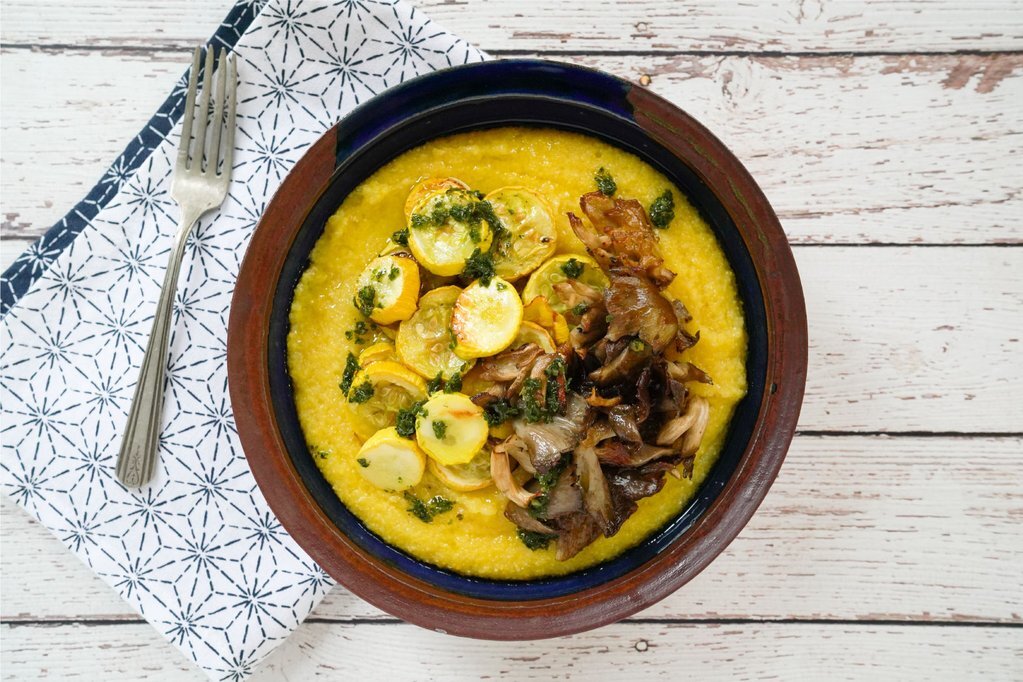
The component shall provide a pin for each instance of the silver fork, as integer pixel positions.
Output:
(201, 176)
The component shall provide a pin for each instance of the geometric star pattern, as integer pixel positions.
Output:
(197, 552)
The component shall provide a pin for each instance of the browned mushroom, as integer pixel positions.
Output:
(510, 364)
(637, 483)
(686, 371)
(691, 441)
(681, 312)
(572, 292)
(566, 497)
(636, 308)
(623, 365)
(548, 440)
(592, 326)
(500, 471)
(596, 494)
(639, 420)
(643, 394)
(594, 399)
(623, 421)
(575, 532)
(675, 428)
(617, 453)
(620, 236)
(683, 339)
(519, 451)
(526, 521)
(492, 393)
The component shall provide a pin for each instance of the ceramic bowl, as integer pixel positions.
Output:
(532, 93)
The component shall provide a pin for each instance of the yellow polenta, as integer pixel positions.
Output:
(475, 538)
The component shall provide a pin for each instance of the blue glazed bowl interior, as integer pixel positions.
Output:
(502, 93)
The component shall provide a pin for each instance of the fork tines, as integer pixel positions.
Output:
(200, 157)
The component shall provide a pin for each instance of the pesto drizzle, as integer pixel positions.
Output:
(605, 183)
(426, 511)
(662, 211)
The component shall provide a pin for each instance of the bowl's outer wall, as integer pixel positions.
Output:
(252, 339)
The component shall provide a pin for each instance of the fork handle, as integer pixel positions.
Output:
(136, 460)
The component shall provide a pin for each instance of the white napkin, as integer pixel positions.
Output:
(198, 552)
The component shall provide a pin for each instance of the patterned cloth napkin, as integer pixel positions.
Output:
(198, 553)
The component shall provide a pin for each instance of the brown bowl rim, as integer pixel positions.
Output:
(421, 603)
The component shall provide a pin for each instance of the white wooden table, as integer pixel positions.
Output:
(887, 134)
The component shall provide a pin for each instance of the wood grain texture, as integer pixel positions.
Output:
(59, 140)
(625, 652)
(604, 25)
(851, 150)
(854, 528)
(913, 339)
(888, 149)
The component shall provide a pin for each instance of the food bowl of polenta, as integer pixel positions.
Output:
(516, 349)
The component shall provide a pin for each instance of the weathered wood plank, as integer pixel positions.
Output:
(92, 652)
(886, 149)
(606, 25)
(60, 139)
(865, 529)
(849, 150)
(624, 652)
(41, 579)
(648, 651)
(855, 528)
(913, 339)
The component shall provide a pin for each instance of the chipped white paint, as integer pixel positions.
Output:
(604, 25)
(913, 339)
(887, 149)
(851, 150)
(869, 528)
(618, 653)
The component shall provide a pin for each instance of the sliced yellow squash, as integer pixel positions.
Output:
(378, 392)
(529, 332)
(381, 350)
(558, 269)
(463, 478)
(451, 429)
(427, 186)
(531, 235)
(388, 289)
(389, 461)
(444, 230)
(425, 341)
(540, 312)
(486, 318)
(382, 333)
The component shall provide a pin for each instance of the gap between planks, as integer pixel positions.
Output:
(157, 48)
(929, 343)
(16, 622)
(931, 160)
(654, 26)
(621, 652)
(853, 530)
